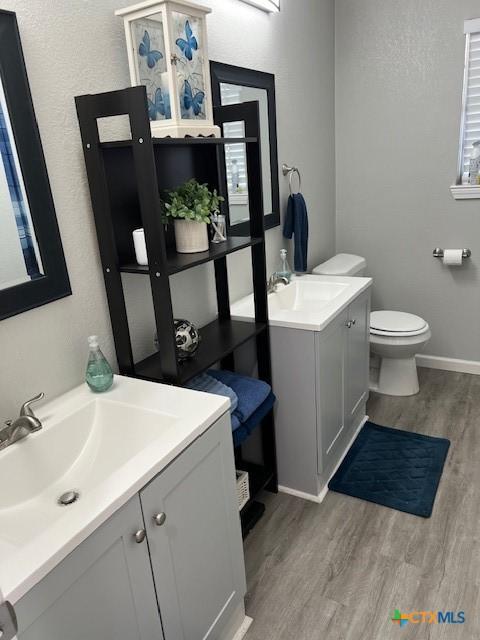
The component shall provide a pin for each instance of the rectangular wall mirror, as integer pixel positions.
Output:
(234, 85)
(32, 265)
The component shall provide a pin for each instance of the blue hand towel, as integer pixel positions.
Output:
(250, 392)
(296, 223)
(206, 383)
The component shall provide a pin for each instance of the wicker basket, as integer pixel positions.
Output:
(243, 490)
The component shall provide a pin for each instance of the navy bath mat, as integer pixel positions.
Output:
(397, 469)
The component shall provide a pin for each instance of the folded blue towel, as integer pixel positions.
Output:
(296, 223)
(208, 384)
(242, 431)
(250, 392)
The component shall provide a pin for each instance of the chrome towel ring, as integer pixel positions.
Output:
(290, 172)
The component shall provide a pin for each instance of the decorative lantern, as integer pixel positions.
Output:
(167, 52)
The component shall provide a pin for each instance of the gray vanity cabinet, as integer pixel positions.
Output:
(167, 566)
(195, 541)
(342, 361)
(102, 591)
(330, 363)
(321, 381)
(357, 358)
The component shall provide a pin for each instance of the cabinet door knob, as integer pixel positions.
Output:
(348, 324)
(160, 518)
(354, 321)
(140, 536)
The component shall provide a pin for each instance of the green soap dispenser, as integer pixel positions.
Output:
(99, 375)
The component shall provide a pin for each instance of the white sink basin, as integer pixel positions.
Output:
(309, 302)
(106, 447)
(305, 295)
(89, 445)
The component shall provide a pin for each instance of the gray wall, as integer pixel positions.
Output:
(78, 47)
(399, 68)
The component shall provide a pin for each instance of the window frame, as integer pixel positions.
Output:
(465, 191)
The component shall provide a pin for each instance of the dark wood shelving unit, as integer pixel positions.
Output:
(127, 179)
(260, 477)
(177, 262)
(179, 142)
(219, 339)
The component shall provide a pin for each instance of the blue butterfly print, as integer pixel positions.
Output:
(152, 55)
(160, 105)
(192, 101)
(189, 44)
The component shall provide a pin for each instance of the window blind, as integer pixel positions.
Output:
(470, 128)
(238, 152)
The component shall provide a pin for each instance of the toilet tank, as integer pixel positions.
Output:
(343, 264)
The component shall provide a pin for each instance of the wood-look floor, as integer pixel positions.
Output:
(336, 571)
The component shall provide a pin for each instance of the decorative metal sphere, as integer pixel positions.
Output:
(187, 339)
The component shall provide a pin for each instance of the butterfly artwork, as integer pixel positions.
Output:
(159, 105)
(188, 44)
(152, 55)
(191, 101)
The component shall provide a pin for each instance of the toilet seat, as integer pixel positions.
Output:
(397, 324)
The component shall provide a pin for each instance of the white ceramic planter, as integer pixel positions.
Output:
(190, 236)
(140, 247)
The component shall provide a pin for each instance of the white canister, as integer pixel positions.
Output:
(140, 247)
(191, 236)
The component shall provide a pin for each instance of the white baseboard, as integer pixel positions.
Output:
(448, 364)
(245, 626)
(323, 492)
(301, 494)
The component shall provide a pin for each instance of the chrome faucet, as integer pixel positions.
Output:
(26, 423)
(274, 280)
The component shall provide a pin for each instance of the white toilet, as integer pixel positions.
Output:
(395, 337)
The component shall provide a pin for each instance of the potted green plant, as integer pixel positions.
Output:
(191, 206)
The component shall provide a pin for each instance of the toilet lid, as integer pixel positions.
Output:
(396, 322)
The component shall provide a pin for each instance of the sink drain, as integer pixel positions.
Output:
(69, 497)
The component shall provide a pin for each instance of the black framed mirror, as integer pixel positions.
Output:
(33, 271)
(234, 85)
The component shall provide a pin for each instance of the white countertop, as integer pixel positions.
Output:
(310, 302)
(35, 532)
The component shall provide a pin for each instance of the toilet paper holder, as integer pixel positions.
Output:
(438, 253)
